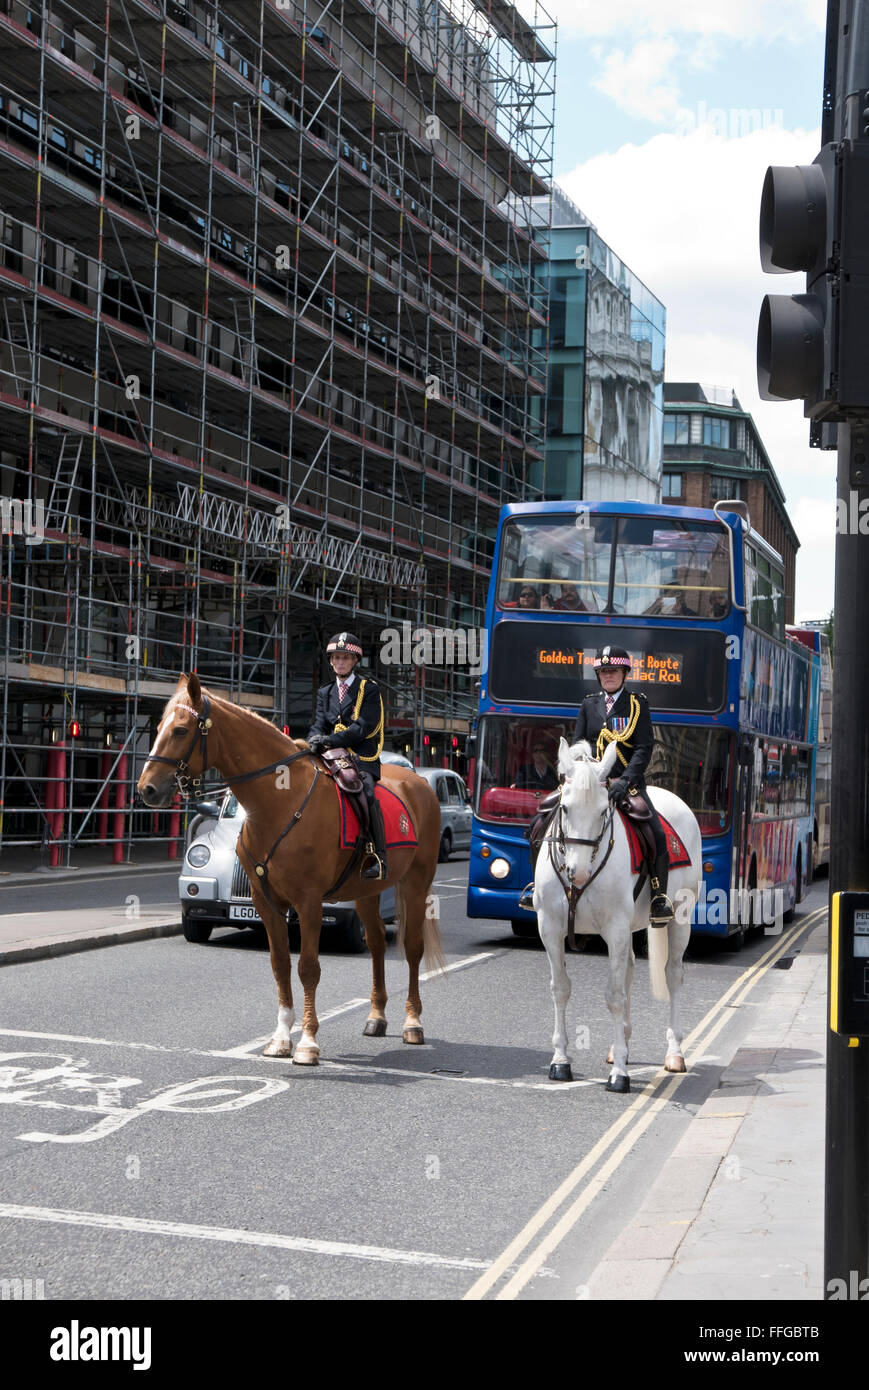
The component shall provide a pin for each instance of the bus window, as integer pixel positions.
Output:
(517, 765)
(695, 763)
(560, 563)
(674, 568)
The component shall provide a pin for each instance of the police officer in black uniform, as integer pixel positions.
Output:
(618, 714)
(350, 715)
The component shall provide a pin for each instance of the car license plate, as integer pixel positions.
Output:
(241, 912)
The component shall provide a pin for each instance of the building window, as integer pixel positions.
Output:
(671, 485)
(716, 432)
(677, 429)
(724, 487)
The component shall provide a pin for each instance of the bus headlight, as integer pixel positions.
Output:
(499, 868)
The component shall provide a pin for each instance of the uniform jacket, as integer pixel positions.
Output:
(637, 750)
(364, 734)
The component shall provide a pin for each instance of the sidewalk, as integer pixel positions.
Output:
(737, 1211)
(35, 935)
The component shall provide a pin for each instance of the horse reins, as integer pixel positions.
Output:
(571, 892)
(182, 770)
(186, 781)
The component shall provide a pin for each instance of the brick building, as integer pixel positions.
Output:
(712, 450)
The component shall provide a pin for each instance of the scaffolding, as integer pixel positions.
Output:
(272, 356)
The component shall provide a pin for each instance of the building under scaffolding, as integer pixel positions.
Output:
(272, 356)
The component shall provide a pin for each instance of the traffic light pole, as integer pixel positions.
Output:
(846, 1225)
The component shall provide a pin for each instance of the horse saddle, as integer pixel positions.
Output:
(635, 809)
(545, 810)
(343, 768)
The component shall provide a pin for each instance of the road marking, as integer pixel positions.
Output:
(702, 1035)
(360, 1066)
(257, 1044)
(144, 1226)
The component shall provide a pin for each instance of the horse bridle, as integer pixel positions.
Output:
(571, 891)
(190, 784)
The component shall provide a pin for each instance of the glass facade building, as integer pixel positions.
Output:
(606, 369)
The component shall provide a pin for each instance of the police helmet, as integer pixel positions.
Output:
(612, 658)
(344, 642)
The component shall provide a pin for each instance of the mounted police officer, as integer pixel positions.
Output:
(350, 715)
(616, 714)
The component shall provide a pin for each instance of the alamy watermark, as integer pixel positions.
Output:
(22, 1290)
(728, 123)
(742, 907)
(852, 515)
(435, 646)
(26, 519)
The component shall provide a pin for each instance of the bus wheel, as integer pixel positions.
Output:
(798, 889)
(524, 928)
(735, 941)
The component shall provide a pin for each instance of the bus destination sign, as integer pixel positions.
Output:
(646, 669)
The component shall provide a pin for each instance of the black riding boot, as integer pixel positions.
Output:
(661, 910)
(376, 852)
(545, 812)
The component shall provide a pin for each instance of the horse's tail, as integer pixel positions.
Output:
(433, 950)
(659, 945)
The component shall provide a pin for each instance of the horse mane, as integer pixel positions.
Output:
(221, 703)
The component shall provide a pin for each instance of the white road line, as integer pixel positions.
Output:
(102, 1042)
(461, 964)
(257, 1044)
(361, 1067)
(697, 1042)
(144, 1226)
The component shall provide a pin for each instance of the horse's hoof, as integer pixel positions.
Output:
(307, 1057)
(675, 1062)
(413, 1035)
(620, 1084)
(374, 1028)
(560, 1071)
(279, 1047)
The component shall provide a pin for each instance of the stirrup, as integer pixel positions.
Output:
(526, 900)
(375, 870)
(661, 911)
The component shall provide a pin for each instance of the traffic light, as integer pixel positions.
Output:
(814, 347)
(74, 728)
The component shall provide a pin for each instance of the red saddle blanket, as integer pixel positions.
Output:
(679, 856)
(400, 829)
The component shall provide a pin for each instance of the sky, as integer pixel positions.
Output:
(667, 115)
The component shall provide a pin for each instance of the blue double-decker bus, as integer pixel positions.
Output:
(698, 601)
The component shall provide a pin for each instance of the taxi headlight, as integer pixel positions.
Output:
(499, 868)
(198, 856)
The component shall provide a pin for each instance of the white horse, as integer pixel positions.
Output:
(606, 906)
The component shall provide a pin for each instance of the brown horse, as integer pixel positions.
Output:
(289, 848)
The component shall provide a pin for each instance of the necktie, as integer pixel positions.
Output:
(342, 691)
(610, 701)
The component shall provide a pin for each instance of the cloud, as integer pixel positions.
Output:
(641, 82)
(682, 213)
(744, 20)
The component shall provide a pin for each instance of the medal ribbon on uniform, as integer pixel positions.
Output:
(620, 735)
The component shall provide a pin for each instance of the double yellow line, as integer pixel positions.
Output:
(631, 1126)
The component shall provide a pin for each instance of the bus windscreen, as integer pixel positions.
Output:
(541, 663)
